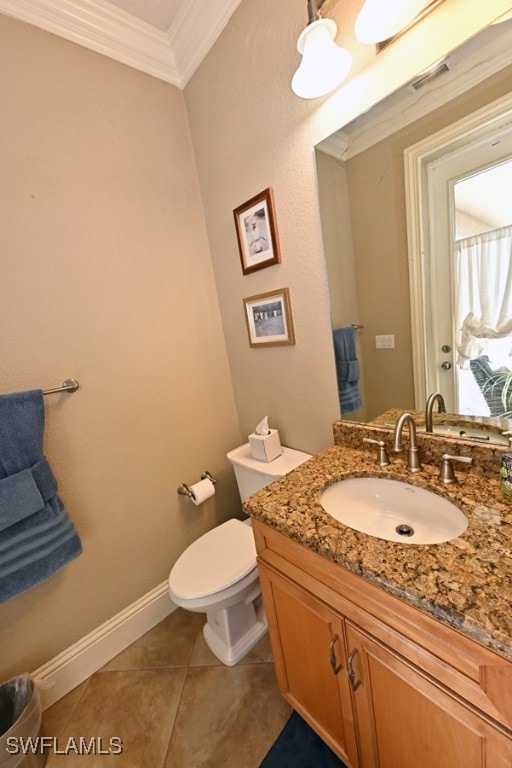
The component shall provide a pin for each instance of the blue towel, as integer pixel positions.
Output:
(347, 368)
(36, 535)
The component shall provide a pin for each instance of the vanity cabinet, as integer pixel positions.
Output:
(309, 649)
(406, 719)
(385, 685)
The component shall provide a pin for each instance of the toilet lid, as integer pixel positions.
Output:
(215, 561)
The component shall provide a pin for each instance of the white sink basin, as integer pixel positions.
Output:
(393, 510)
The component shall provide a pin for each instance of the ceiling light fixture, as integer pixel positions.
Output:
(324, 64)
(378, 21)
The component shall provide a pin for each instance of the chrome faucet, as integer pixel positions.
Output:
(447, 475)
(382, 458)
(414, 463)
(441, 408)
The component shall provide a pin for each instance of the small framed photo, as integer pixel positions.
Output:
(269, 319)
(256, 231)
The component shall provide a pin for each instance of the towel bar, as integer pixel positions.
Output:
(69, 385)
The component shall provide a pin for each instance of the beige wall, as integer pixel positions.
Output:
(249, 132)
(248, 135)
(334, 200)
(106, 277)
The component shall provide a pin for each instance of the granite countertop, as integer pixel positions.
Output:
(465, 583)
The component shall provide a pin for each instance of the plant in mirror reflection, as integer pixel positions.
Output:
(498, 392)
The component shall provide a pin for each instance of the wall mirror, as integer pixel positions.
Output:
(369, 211)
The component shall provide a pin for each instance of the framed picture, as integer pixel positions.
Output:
(269, 319)
(256, 231)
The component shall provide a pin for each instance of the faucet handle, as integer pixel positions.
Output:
(508, 434)
(382, 456)
(447, 474)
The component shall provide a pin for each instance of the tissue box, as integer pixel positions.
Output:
(265, 447)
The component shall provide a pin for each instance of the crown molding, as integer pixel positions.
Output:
(108, 30)
(470, 64)
(194, 31)
(335, 145)
(101, 28)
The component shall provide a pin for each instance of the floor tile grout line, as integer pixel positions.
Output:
(180, 704)
(195, 661)
(171, 735)
(66, 721)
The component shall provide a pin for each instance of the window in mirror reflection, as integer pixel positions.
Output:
(483, 290)
(383, 271)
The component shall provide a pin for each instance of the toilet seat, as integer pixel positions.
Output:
(216, 561)
(218, 574)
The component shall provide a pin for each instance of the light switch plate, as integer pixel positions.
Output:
(386, 341)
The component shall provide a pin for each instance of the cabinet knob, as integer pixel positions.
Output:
(336, 668)
(354, 684)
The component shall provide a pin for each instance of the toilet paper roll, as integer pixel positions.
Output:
(201, 491)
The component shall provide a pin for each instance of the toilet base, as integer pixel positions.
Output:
(231, 633)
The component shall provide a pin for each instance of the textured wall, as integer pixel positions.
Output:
(101, 244)
(107, 277)
(250, 132)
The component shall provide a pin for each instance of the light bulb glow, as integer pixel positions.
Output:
(324, 64)
(378, 21)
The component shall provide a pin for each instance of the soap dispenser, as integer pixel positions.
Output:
(506, 475)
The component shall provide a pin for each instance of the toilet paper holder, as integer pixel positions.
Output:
(184, 490)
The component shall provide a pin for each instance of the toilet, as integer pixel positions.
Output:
(217, 573)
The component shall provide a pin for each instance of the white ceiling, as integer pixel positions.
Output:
(159, 13)
(165, 38)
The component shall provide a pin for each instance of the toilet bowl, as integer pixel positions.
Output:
(217, 574)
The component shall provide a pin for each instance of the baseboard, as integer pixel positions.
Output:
(75, 664)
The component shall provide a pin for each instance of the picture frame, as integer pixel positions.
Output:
(256, 231)
(269, 319)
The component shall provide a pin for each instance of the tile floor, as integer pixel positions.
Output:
(173, 705)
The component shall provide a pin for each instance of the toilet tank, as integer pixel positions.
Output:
(252, 475)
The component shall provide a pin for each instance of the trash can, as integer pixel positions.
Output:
(20, 724)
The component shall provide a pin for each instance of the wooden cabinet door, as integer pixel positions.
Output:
(405, 720)
(309, 656)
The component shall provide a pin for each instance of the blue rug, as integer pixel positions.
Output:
(298, 746)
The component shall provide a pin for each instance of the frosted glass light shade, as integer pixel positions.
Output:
(377, 21)
(324, 64)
